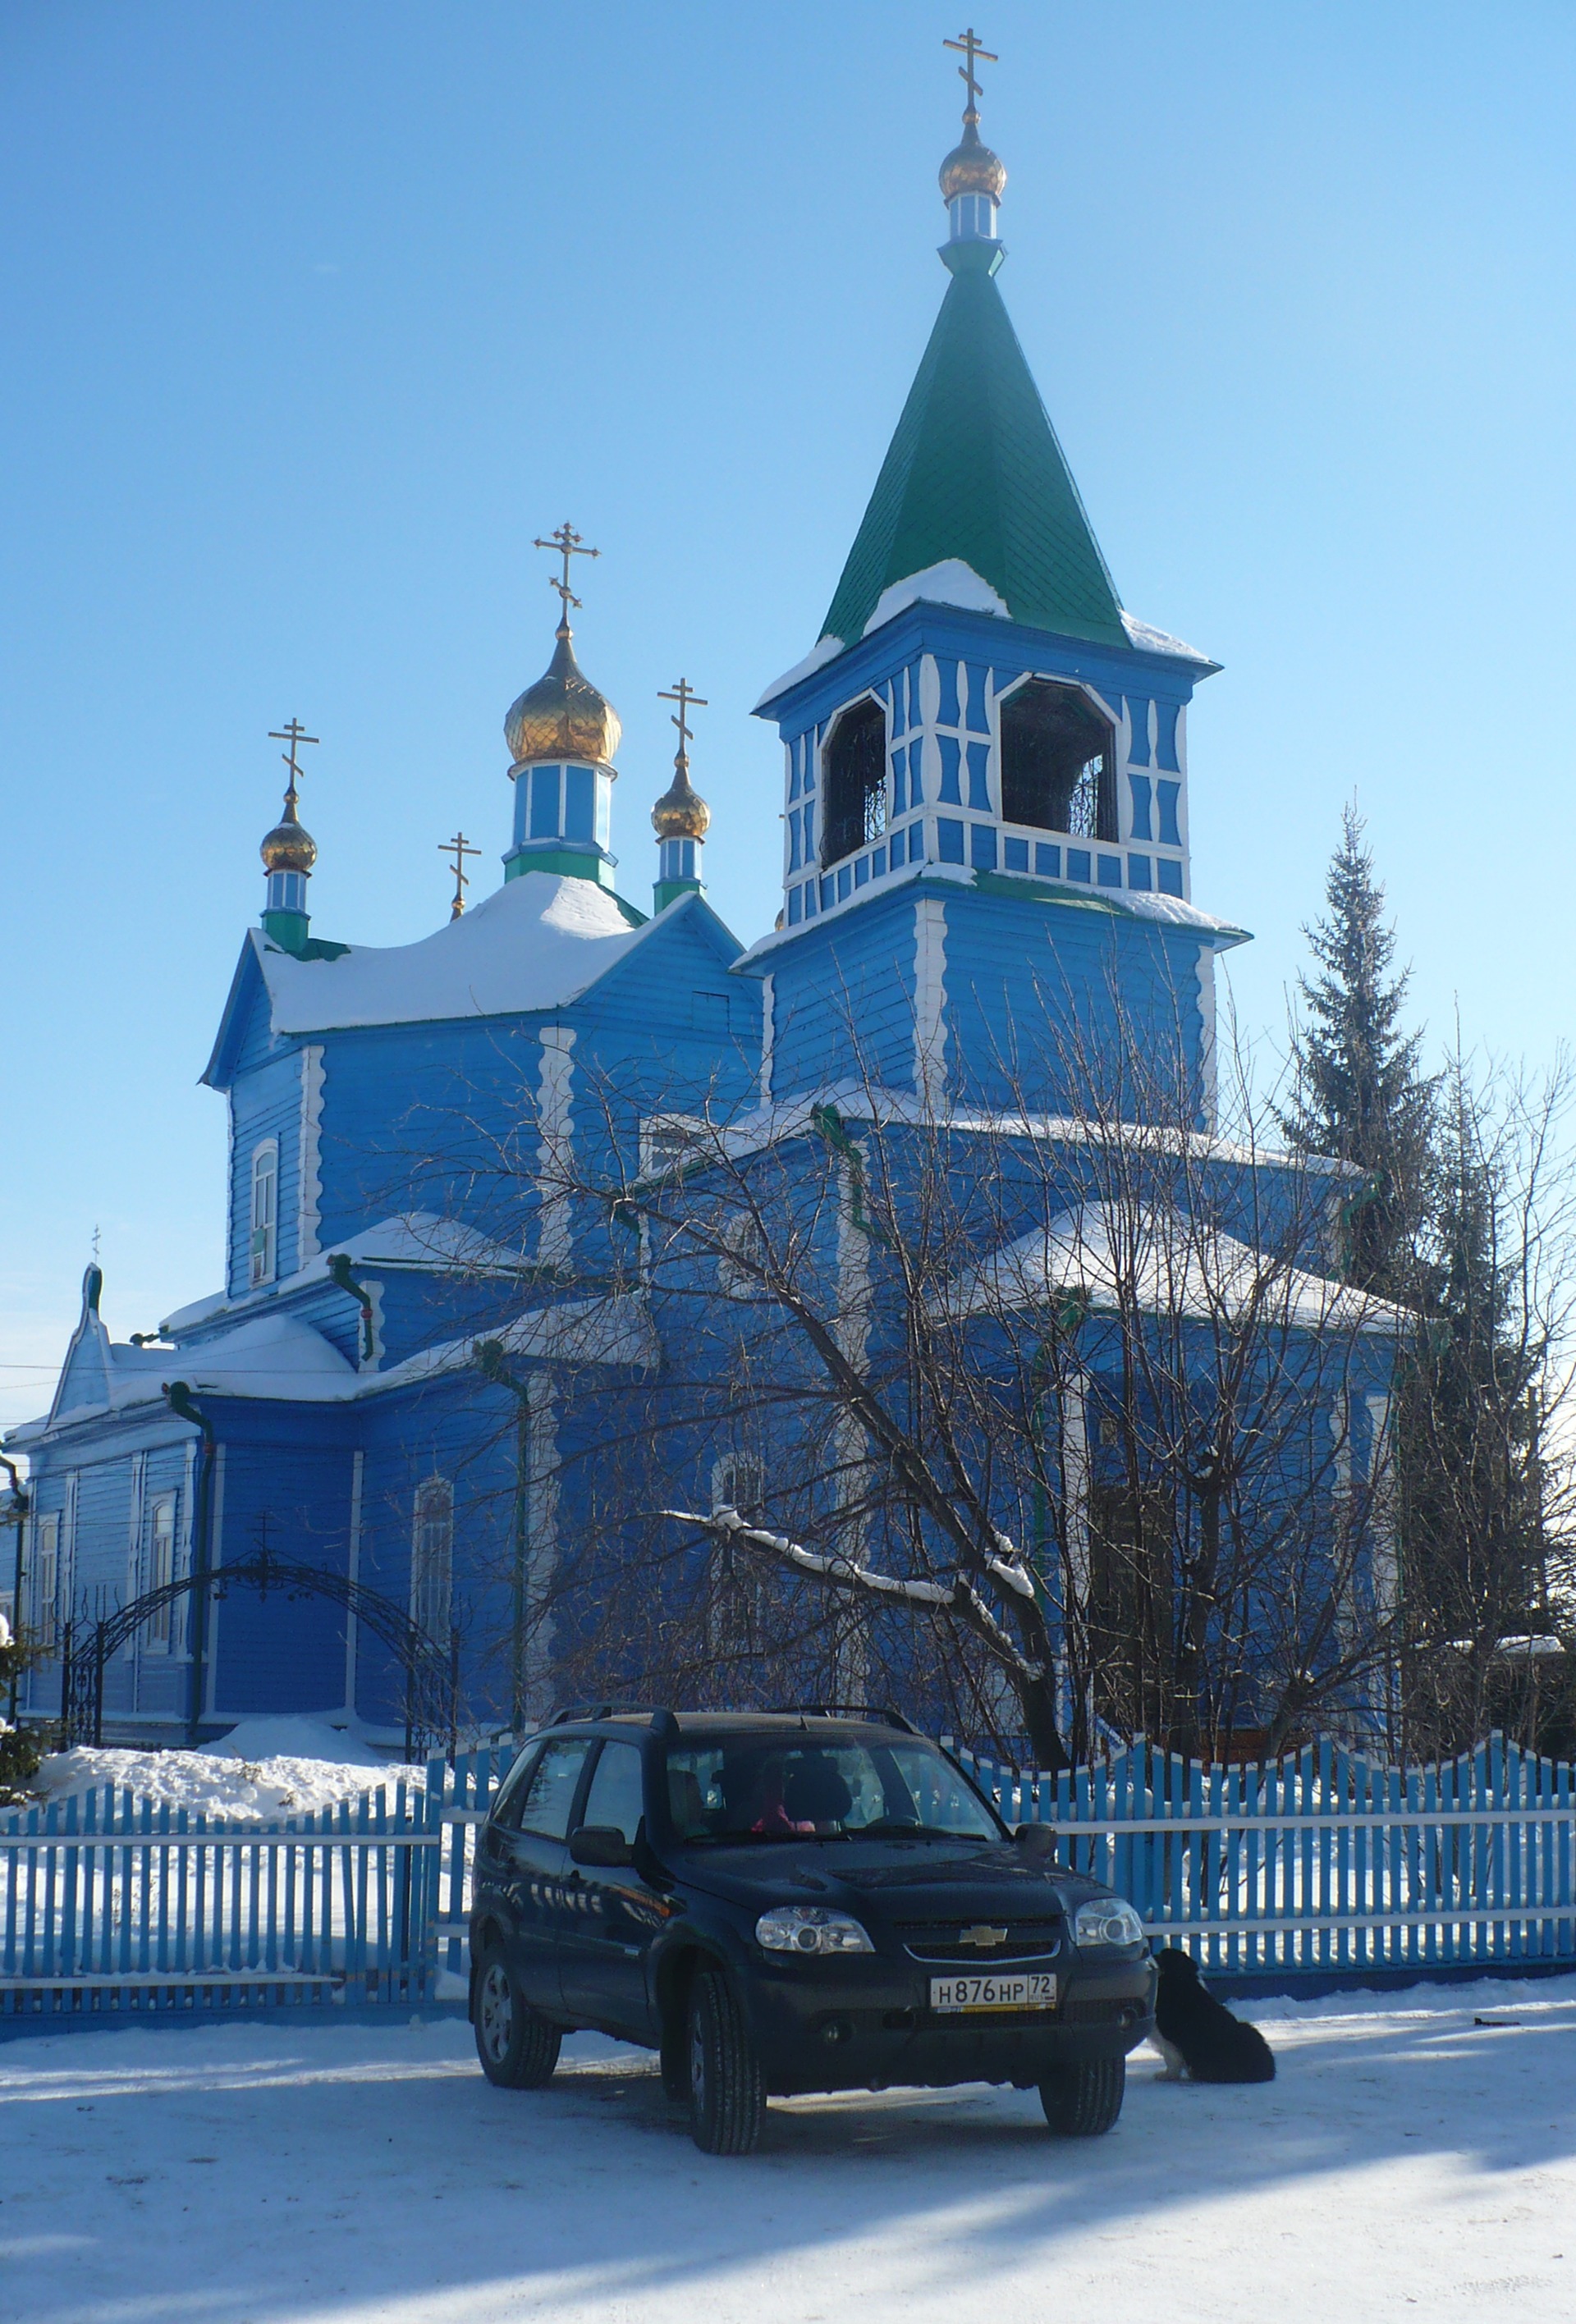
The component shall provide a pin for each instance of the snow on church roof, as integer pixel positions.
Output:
(1164, 1263)
(537, 942)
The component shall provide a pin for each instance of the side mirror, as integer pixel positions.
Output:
(1036, 1839)
(600, 1844)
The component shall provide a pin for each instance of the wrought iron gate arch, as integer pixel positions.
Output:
(431, 1705)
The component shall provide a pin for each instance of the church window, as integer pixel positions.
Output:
(855, 782)
(159, 1632)
(46, 1580)
(1056, 761)
(1130, 1607)
(432, 1557)
(667, 1139)
(264, 1210)
(738, 1604)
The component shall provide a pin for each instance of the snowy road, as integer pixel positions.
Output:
(239, 2175)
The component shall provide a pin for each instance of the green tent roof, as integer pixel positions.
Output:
(974, 472)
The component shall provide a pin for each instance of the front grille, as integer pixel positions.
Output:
(940, 1941)
(1097, 2012)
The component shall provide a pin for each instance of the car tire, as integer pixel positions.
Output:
(728, 2092)
(517, 2046)
(1083, 2102)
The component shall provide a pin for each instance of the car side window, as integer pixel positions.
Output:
(616, 1799)
(549, 1795)
(506, 1809)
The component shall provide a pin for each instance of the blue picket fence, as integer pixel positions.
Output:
(109, 1902)
(1324, 1862)
(1321, 1863)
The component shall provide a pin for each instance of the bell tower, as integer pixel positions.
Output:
(982, 747)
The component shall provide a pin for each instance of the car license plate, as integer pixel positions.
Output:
(1034, 1990)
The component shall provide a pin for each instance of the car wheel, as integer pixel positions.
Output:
(728, 2096)
(518, 2048)
(1083, 2102)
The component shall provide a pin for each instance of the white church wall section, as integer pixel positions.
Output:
(311, 1124)
(555, 1130)
(1208, 1064)
(930, 1014)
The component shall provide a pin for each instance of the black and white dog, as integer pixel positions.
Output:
(1194, 2031)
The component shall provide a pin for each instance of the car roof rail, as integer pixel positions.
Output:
(572, 1713)
(879, 1714)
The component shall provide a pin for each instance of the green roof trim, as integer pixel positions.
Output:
(974, 471)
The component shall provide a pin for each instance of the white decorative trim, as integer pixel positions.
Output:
(1075, 1515)
(65, 1556)
(134, 1542)
(1382, 1516)
(181, 1612)
(1208, 1085)
(768, 1034)
(216, 1549)
(541, 1537)
(353, 1574)
(308, 1220)
(929, 998)
(555, 1117)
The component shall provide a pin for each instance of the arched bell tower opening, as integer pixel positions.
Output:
(855, 795)
(1058, 770)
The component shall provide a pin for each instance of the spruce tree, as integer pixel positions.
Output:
(1359, 1096)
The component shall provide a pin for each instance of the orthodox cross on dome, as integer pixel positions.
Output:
(460, 848)
(684, 695)
(968, 46)
(568, 543)
(294, 733)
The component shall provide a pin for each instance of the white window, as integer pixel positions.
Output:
(742, 1264)
(432, 1557)
(669, 1139)
(46, 1579)
(160, 1634)
(264, 1210)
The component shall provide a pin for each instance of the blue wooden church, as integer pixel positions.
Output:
(425, 1318)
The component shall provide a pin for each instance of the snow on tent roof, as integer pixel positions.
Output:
(536, 943)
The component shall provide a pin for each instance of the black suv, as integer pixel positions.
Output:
(786, 1901)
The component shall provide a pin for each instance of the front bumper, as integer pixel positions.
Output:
(858, 2024)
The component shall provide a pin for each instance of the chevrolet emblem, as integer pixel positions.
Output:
(982, 1936)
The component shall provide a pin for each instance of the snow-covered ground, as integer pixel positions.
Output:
(265, 1767)
(1408, 2157)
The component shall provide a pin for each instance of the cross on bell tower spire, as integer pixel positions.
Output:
(568, 543)
(968, 45)
(972, 176)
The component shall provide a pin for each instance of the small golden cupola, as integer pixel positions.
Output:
(681, 817)
(563, 734)
(289, 852)
(972, 177)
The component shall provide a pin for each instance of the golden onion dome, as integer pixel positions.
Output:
(681, 813)
(972, 168)
(562, 715)
(288, 846)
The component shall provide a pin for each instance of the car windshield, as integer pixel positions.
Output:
(747, 1788)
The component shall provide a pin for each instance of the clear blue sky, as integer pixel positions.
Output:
(316, 312)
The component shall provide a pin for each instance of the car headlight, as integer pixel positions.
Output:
(810, 1929)
(1106, 1921)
